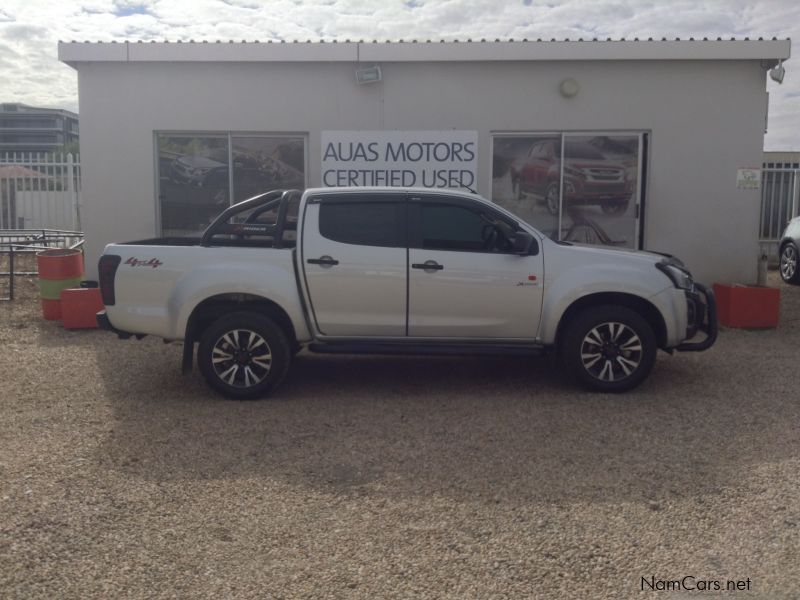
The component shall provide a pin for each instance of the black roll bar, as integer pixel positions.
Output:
(281, 198)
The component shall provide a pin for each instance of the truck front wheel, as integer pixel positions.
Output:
(609, 348)
(243, 355)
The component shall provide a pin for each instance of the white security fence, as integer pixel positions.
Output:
(780, 196)
(40, 200)
(40, 191)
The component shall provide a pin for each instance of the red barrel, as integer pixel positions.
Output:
(59, 269)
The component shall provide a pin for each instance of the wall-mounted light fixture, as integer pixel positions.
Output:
(368, 75)
(569, 88)
(777, 73)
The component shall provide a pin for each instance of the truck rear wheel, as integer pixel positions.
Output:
(609, 348)
(244, 355)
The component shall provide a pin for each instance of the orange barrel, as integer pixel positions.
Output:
(59, 269)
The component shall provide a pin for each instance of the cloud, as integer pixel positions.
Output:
(7, 51)
(30, 29)
(24, 33)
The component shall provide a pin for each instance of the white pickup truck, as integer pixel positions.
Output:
(392, 270)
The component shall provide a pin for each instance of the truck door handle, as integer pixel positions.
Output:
(325, 261)
(428, 265)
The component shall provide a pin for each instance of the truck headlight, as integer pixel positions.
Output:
(680, 277)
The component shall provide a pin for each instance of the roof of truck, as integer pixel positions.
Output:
(410, 190)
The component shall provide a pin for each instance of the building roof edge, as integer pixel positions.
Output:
(773, 50)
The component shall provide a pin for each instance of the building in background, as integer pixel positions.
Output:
(26, 129)
(636, 144)
(781, 160)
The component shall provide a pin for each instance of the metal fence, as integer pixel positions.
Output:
(18, 248)
(40, 191)
(780, 190)
(40, 200)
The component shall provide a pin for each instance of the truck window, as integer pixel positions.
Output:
(364, 223)
(454, 227)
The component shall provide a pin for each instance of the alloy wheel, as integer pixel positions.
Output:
(788, 262)
(611, 351)
(241, 358)
(551, 196)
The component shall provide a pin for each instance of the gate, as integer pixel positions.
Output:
(40, 191)
(40, 200)
(780, 202)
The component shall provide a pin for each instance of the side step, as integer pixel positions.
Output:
(429, 349)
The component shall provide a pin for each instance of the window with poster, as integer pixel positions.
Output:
(201, 174)
(579, 187)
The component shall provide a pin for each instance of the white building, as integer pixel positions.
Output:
(633, 143)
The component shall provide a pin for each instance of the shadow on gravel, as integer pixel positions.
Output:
(455, 427)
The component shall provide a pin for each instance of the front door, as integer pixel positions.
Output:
(464, 280)
(355, 262)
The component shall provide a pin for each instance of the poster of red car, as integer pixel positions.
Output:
(580, 188)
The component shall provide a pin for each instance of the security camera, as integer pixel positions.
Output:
(777, 73)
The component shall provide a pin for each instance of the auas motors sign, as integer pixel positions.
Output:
(434, 159)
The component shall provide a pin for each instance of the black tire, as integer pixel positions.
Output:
(551, 198)
(614, 208)
(622, 362)
(252, 371)
(789, 266)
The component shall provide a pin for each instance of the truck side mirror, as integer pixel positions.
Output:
(521, 243)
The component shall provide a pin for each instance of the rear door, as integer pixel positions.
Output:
(464, 280)
(355, 262)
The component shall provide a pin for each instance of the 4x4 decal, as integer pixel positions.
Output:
(135, 262)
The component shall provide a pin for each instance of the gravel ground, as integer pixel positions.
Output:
(393, 477)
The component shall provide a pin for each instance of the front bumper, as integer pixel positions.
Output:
(701, 316)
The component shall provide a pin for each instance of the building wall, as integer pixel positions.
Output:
(705, 119)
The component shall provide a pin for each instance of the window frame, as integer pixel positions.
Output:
(224, 134)
(641, 195)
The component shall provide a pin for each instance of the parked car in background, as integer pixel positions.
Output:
(790, 251)
(210, 170)
(200, 169)
(590, 178)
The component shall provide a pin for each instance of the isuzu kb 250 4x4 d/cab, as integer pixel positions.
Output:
(391, 270)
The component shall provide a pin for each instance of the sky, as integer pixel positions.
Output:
(30, 29)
